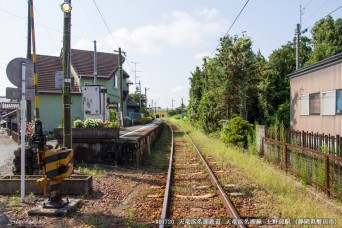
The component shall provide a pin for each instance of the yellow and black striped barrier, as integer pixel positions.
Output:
(57, 165)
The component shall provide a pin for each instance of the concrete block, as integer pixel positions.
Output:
(74, 185)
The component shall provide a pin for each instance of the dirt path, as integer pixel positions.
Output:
(7, 146)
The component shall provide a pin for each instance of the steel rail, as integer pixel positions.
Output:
(228, 204)
(167, 188)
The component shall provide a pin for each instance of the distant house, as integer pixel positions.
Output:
(316, 97)
(82, 69)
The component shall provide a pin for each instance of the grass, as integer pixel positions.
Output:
(290, 202)
(159, 156)
(93, 170)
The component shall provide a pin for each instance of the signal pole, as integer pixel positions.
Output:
(28, 55)
(67, 140)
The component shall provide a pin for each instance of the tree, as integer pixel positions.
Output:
(197, 81)
(136, 97)
(326, 38)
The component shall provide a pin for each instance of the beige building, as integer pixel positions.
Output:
(316, 97)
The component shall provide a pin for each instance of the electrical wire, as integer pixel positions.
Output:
(307, 4)
(320, 8)
(46, 30)
(231, 25)
(38, 24)
(104, 21)
(12, 14)
(94, 28)
(326, 15)
(111, 34)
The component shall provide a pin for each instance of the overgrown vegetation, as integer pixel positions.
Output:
(239, 82)
(159, 155)
(93, 170)
(287, 201)
(236, 131)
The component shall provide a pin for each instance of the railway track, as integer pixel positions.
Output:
(193, 195)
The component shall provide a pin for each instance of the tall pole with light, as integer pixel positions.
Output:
(66, 8)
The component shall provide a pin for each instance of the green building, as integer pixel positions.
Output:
(50, 81)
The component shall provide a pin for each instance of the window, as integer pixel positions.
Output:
(115, 81)
(339, 101)
(328, 103)
(314, 104)
(304, 105)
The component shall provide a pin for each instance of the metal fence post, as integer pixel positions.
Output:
(285, 156)
(327, 180)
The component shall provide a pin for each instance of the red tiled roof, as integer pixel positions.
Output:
(46, 70)
(83, 63)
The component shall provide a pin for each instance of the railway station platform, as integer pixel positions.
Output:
(127, 150)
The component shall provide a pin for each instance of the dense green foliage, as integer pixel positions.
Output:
(239, 82)
(78, 124)
(112, 115)
(93, 123)
(236, 131)
(326, 38)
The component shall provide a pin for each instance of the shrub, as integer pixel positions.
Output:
(89, 123)
(140, 121)
(236, 132)
(144, 120)
(127, 121)
(108, 124)
(78, 124)
(157, 115)
(177, 117)
(112, 115)
(149, 119)
(98, 123)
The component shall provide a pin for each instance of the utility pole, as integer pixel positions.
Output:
(155, 108)
(152, 107)
(135, 72)
(67, 140)
(146, 96)
(140, 97)
(95, 63)
(172, 104)
(299, 31)
(120, 82)
(297, 47)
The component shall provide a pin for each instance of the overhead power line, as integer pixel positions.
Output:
(110, 33)
(232, 25)
(320, 8)
(307, 4)
(326, 16)
(104, 21)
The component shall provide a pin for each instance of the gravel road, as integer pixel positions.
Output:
(7, 146)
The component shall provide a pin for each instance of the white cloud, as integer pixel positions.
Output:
(207, 13)
(183, 30)
(84, 44)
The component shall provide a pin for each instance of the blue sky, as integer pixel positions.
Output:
(168, 39)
